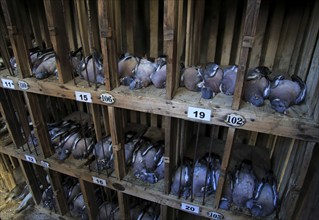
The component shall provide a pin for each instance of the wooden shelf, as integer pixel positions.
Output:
(152, 100)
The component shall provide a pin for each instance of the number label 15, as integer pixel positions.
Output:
(190, 208)
(199, 113)
(83, 96)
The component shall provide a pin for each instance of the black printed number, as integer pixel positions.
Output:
(198, 114)
(83, 97)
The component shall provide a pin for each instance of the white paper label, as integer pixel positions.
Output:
(215, 215)
(7, 83)
(106, 98)
(199, 113)
(45, 164)
(23, 85)
(190, 208)
(235, 120)
(99, 181)
(30, 158)
(83, 96)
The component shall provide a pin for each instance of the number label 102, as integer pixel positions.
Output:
(235, 120)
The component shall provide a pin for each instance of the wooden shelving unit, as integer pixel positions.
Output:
(248, 33)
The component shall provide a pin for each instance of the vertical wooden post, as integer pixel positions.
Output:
(17, 38)
(31, 180)
(170, 145)
(108, 43)
(117, 134)
(124, 205)
(88, 193)
(198, 26)
(250, 25)
(96, 115)
(69, 23)
(39, 124)
(43, 23)
(154, 27)
(8, 113)
(58, 192)
(57, 29)
(170, 46)
(224, 167)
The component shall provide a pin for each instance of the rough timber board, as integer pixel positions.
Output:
(128, 187)
(295, 124)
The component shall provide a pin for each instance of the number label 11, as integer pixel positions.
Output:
(99, 181)
(7, 83)
(30, 159)
(190, 208)
(83, 96)
(199, 113)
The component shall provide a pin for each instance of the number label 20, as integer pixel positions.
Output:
(235, 120)
(190, 208)
(199, 113)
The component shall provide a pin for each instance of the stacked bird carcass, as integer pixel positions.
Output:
(212, 79)
(43, 63)
(144, 154)
(242, 190)
(139, 73)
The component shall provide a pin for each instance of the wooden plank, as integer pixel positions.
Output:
(309, 43)
(293, 67)
(89, 197)
(108, 43)
(43, 23)
(214, 15)
(256, 51)
(181, 31)
(96, 115)
(154, 120)
(39, 124)
(250, 24)
(83, 25)
(198, 27)
(123, 201)
(230, 18)
(34, 19)
(117, 134)
(288, 36)
(31, 180)
(93, 38)
(58, 192)
(154, 28)
(105, 120)
(170, 37)
(59, 39)
(129, 25)
(6, 174)
(297, 179)
(273, 35)
(69, 24)
(143, 118)
(313, 81)
(253, 138)
(8, 113)
(224, 165)
(288, 157)
(18, 42)
(170, 145)
(189, 33)
(118, 26)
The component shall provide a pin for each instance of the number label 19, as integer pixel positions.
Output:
(235, 120)
(30, 158)
(7, 83)
(83, 96)
(199, 113)
(215, 215)
(99, 181)
(190, 208)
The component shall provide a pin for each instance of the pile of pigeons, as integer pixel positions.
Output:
(139, 73)
(241, 187)
(43, 63)
(144, 156)
(212, 79)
